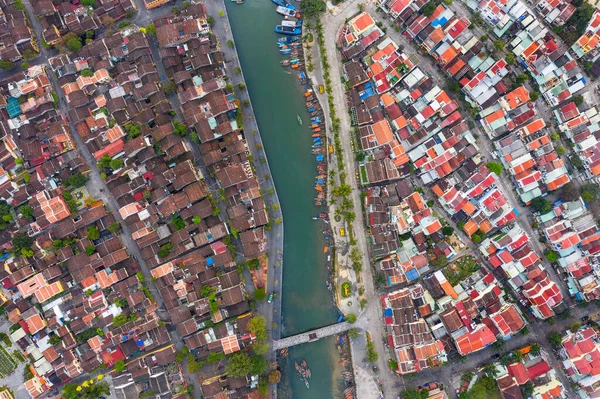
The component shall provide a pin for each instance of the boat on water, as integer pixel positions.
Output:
(313, 218)
(299, 119)
(285, 63)
(281, 3)
(289, 23)
(288, 12)
(287, 39)
(306, 383)
(288, 30)
(316, 135)
(285, 51)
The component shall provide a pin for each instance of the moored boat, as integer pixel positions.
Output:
(299, 119)
(288, 30)
(287, 39)
(281, 3)
(286, 11)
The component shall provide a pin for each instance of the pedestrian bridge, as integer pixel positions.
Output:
(312, 335)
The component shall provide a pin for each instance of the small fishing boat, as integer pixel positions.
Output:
(285, 63)
(306, 383)
(316, 135)
(298, 368)
(308, 373)
(291, 24)
(325, 249)
(299, 119)
(288, 39)
(281, 3)
(286, 11)
(285, 51)
(317, 129)
(313, 218)
(323, 215)
(288, 30)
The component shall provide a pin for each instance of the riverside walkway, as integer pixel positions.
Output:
(312, 335)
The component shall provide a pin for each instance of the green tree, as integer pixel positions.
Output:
(73, 44)
(89, 250)
(76, 180)
(151, 29)
(429, 8)
(116, 164)
(535, 349)
(372, 355)
(541, 205)
(258, 327)
(26, 211)
(569, 192)
(211, 20)
(534, 96)
(239, 365)
(510, 58)
(412, 393)
(260, 294)
(447, 231)
(114, 227)
(499, 44)
(490, 370)
(87, 72)
(120, 366)
(93, 233)
(5, 65)
(20, 242)
(89, 3)
(560, 150)
(313, 8)
(351, 318)
(575, 327)
(551, 256)
(495, 167)
(555, 339)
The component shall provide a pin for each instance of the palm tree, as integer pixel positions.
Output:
(535, 349)
(490, 370)
(308, 25)
(361, 7)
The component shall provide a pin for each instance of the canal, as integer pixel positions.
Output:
(277, 99)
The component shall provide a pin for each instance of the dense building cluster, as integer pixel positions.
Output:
(91, 291)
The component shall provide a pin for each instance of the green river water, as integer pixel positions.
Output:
(277, 99)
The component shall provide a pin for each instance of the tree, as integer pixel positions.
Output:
(490, 370)
(120, 366)
(313, 8)
(114, 227)
(86, 391)
(20, 242)
(73, 43)
(89, 250)
(168, 87)
(116, 164)
(353, 333)
(510, 58)
(258, 327)
(349, 217)
(495, 167)
(196, 219)
(499, 44)
(180, 129)
(211, 20)
(589, 192)
(241, 86)
(429, 8)
(5, 65)
(541, 205)
(240, 365)
(551, 256)
(447, 231)
(569, 192)
(151, 29)
(412, 393)
(439, 261)
(87, 72)
(351, 318)
(274, 377)
(221, 13)
(89, 3)
(534, 96)
(575, 327)
(260, 294)
(560, 150)
(230, 43)
(259, 365)
(76, 180)
(26, 211)
(535, 349)
(578, 100)
(26, 177)
(555, 339)
(93, 233)
(372, 355)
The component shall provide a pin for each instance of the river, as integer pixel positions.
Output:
(277, 100)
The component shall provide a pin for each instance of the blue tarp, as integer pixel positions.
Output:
(320, 158)
(210, 261)
(388, 312)
(367, 93)
(412, 274)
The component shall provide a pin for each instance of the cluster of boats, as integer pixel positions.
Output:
(346, 362)
(304, 371)
(292, 23)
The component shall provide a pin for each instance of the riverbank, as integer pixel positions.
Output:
(277, 101)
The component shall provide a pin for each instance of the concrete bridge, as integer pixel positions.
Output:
(312, 335)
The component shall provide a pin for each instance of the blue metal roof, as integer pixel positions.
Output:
(13, 107)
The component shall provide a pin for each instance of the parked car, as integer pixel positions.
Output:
(495, 356)
(270, 298)
(585, 319)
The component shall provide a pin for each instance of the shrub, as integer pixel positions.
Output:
(260, 294)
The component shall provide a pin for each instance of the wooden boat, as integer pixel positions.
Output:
(299, 119)
(297, 366)
(288, 39)
(281, 3)
(318, 129)
(285, 63)
(316, 135)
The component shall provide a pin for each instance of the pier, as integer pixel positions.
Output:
(312, 335)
